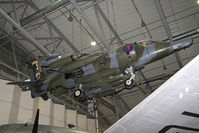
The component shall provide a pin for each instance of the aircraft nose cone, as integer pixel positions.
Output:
(181, 44)
(187, 43)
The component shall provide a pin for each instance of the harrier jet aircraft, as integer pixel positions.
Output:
(36, 128)
(94, 74)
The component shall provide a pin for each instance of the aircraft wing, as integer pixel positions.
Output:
(172, 108)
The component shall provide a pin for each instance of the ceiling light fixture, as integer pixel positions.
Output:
(198, 2)
(70, 18)
(93, 43)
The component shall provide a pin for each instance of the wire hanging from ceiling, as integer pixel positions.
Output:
(143, 24)
(73, 24)
(197, 23)
(114, 20)
(83, 28)
(80, 35)
(108, 16)
(174, 16)
(114, 16)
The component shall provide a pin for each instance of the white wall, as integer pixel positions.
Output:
(6, 93)
(59, 118)
(71, 117)
(25, 108)
(19, 107)
(45, 112)
(82, 122)
(91, 125)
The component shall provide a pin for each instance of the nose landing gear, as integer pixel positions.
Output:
(129, 82)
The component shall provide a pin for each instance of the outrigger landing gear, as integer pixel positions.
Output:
(130, 70)
(78, 92)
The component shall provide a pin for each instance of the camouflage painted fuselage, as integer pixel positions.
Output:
(99, 73)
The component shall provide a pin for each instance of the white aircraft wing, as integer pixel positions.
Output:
(172, 108)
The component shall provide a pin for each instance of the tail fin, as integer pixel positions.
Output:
(32, 75)
(34, 84)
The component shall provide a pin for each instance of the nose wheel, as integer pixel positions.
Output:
(129, 82)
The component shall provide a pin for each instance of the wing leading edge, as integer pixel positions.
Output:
(172, 108)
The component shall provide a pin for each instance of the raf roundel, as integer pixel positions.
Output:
(128, 48)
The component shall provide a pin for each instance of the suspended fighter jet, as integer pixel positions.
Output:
(36, 128)
(88, 75)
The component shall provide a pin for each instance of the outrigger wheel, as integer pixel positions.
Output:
(78, 93)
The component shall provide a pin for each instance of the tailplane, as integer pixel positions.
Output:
(34, 84)
(25, 83)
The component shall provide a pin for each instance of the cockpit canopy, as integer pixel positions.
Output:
(146, 42)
